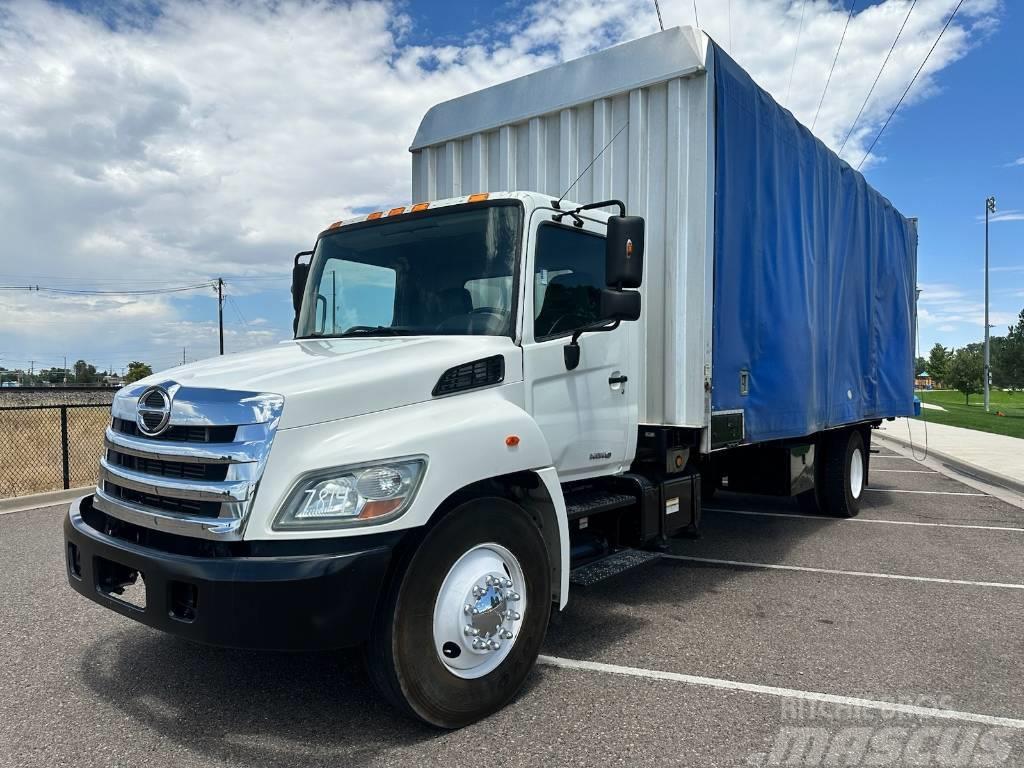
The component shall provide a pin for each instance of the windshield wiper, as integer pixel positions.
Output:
(376, 330)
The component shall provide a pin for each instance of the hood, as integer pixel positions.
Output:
(327, 379)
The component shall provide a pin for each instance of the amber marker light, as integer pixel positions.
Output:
(479, 197)
(512, 441)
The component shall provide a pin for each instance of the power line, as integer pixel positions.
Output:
(868, 97)
(910, 85)
(86, 292)
(799, 32)
(828, 80)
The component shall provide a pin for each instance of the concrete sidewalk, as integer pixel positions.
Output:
(996, 459)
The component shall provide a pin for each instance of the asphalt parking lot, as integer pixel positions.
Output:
(775, 639)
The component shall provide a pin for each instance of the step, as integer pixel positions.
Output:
(592, 501)
(609, 566)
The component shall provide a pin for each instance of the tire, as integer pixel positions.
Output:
(420, 636)
(844, 475)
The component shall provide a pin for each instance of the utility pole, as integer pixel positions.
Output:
(182, 355)
(65, 370)
(220, 311)
(990, 207)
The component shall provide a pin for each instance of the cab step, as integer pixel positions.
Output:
(611, 565)
(585, 502)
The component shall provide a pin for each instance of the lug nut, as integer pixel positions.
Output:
(493, 645)
(507, 635)
(508, 582)
(477, 591)
(478, 644)
(515, 616)
(467, 608)
(513, 596)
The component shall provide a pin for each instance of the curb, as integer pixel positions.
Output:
(961, 466)
(37, 500)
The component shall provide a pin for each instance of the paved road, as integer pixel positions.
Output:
(706, 663)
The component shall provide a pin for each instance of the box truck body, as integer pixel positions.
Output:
(779, 286)
(512, 386)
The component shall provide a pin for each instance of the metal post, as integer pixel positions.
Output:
(64, 449)
(990, 207)
(220, 311)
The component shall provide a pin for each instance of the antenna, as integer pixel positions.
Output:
(661, 24)
(591, 164)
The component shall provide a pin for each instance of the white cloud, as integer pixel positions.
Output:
(1018, 161)
(219, 137)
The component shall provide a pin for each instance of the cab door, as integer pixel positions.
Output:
(588, 415)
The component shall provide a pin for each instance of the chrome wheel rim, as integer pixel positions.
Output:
(856, 473)
(479, 611)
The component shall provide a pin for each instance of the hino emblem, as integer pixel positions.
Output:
(154, 411)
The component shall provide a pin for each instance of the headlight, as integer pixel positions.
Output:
(362, 494)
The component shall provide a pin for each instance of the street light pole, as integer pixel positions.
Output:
(990, 207)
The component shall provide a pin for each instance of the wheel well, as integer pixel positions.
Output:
(528, 491)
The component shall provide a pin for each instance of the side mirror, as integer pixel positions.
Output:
(300, 273)
(620, 305)
(624, 252)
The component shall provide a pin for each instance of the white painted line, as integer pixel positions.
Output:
(751, 513)
(926, 493)
(895, 576)
(788, 693)
(909, 471)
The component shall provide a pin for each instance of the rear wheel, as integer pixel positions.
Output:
(464, 622)
(845, 473)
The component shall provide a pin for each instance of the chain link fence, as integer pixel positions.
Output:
(48, 447)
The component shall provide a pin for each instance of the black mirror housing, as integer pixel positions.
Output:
(621, 306)
(624, 252)
(300, 273)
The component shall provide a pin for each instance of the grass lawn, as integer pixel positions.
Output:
(973, 416)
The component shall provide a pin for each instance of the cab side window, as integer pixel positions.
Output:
(568, 278)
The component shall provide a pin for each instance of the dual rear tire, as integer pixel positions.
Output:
(841, 475)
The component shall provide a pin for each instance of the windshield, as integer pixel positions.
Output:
(446, 272)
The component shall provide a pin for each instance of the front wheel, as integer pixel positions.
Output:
(466, 617)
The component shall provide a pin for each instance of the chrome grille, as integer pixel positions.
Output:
(199, 476)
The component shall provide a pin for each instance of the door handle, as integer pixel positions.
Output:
(618, 379)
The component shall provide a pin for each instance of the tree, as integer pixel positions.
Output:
(137, 370)
(966, 371)
(920, 365)
(938, 363)
(1008, 357)
(84, 373)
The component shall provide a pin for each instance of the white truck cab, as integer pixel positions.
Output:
(490, 396)
(393, 474)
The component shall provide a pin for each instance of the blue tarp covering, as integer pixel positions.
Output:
(814, 278)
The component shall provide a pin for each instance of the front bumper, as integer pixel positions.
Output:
(266, 595)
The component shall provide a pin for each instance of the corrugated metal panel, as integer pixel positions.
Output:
(659, 164)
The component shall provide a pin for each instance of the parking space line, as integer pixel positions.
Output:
(751, 513)
(788, 693)
(909, 471)
(926, 493)
(835, 572)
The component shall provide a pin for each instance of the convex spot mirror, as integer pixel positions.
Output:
(621, 306)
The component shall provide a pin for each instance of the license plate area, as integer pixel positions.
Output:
(121, 583)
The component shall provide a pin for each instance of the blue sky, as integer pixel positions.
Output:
(165, 143)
